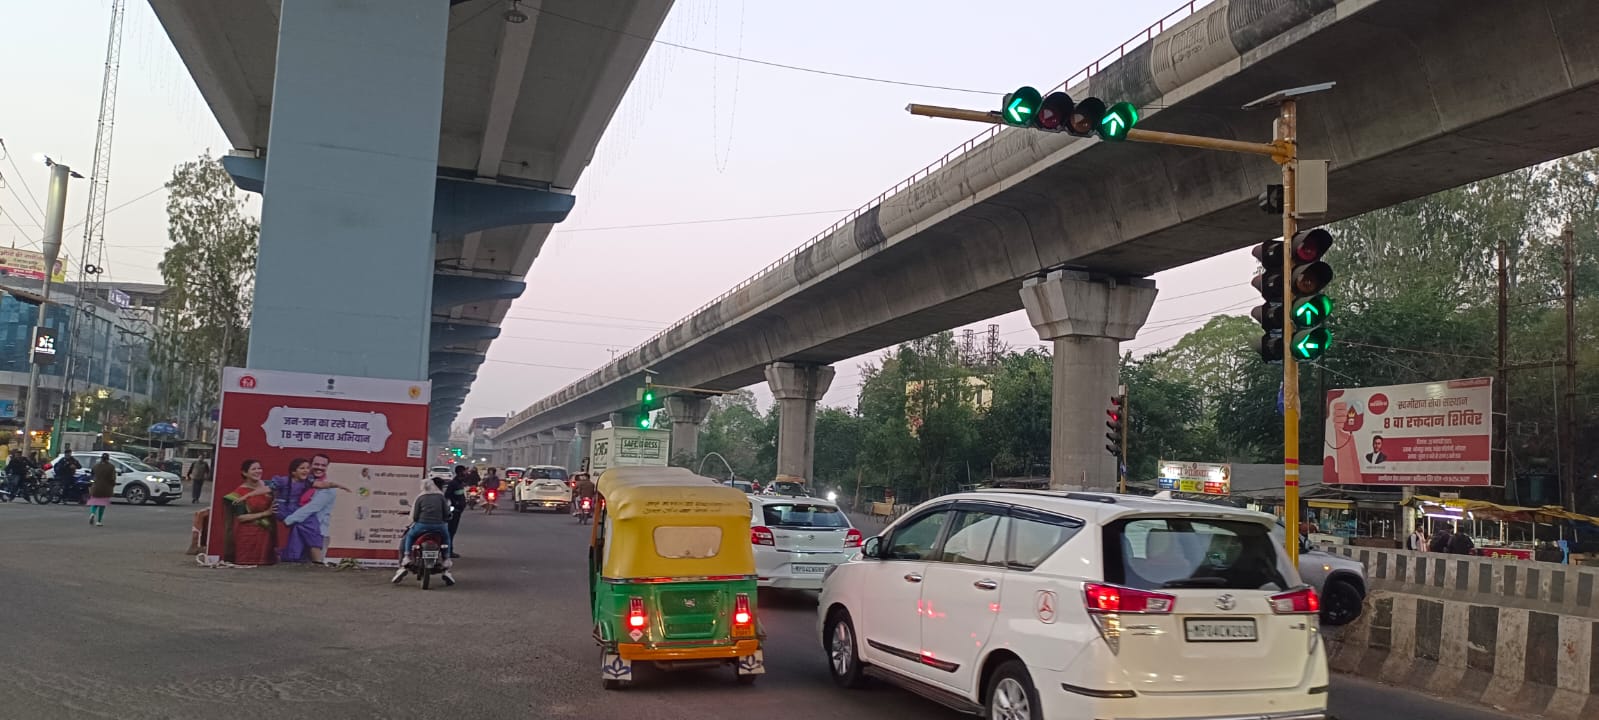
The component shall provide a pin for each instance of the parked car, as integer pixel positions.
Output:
(797, 540)
(1340, 581)
(137, 483)
(1080, 606)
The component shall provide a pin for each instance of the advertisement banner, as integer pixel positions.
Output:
(16, 262)
(1191, 477)
(340, 457)
(1437, 433)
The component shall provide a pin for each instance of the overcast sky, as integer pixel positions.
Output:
(696, 139)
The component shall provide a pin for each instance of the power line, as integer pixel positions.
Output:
(767, 63)
(697, 222)
(25, 188)
(537, 365)
(593, 315)
(575, 322)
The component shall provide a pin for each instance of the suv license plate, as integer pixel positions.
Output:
(809, 569)
(430, 554)
(1219, 630)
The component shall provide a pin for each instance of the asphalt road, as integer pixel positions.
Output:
(115, 622)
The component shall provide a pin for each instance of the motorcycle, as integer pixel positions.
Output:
(75, 492)
(429, 557)
(472, 493)
(585, 511)
(490, 496)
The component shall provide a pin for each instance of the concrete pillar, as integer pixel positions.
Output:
(545, 449)
(687, 412)
(345, 267)
(585, 443)
(1087, 317)
(561, 448)
(621, 420)
(797, 388)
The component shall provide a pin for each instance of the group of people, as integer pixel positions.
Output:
(1445, 540)
(284, 519)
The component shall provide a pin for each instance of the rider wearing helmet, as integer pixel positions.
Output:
(430, 512)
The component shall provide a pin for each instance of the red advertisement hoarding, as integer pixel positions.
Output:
(1423, 434)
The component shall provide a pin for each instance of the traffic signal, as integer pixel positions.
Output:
(649, 400)
(1311, 308)
(1116, 420)
(1058, 113)
(1269, 281)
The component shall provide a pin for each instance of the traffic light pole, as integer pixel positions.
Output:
(1285, 135)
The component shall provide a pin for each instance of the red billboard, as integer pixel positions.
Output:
(315, 468)
(1423, 434)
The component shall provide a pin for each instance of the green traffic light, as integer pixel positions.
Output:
(1021, 107)
(644, 421)
(1310, 344)
(1118, 119)
(1312, 311)
(649, 396)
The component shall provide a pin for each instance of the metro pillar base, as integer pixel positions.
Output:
(1087, 317)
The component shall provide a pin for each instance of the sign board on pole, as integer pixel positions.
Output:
(1192, 477)
(44, 345)
(628, 446)
(364, 434)
(1437, 434)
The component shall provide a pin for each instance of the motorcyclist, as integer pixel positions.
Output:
(491, 491)
(66, 469)
(430, 512)
(582, 488)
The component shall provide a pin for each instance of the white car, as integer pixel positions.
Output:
(441, 471)
(543, 486)
(1080, 606)
(797, 540)
(137, 483)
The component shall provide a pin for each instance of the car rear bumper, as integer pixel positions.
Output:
(1068, 702)
(639, 651)
(791, 582)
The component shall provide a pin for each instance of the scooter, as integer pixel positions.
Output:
(585, 511)
(75, 492)
(429, 557)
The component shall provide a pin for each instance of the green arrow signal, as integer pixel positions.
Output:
(1119, 119)
(1021, 106)
(1018, 110)
(1312, 311)
(1311, 343)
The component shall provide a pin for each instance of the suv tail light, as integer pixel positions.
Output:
(853, 538)
(1301, 601)
(743, 619)
(1108, 599)
(635, 612)
(762, 535)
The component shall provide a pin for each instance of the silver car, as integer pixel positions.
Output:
(1340, 581)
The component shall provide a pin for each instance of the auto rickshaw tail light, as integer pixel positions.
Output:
(853, 538)
(635, 612)
(743, 619)
(762, 535)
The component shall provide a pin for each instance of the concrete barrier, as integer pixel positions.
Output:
(1511, 658)
(1527, 585)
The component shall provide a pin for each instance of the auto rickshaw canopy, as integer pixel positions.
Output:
(667, 522)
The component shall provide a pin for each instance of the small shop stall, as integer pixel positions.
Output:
(1505, 531)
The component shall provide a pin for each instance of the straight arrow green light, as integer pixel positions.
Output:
(1311, 311)
(1120, 118)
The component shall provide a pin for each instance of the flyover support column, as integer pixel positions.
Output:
(561, 449)
(1087, 317)
(585, 443)
(545, 448)
(345, 267)
(687, 412)
(797, 388)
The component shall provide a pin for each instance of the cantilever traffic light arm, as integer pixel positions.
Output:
(1279, 152)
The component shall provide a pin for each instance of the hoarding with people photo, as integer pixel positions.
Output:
(1435, 433)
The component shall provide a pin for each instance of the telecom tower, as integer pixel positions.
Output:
(92, 257)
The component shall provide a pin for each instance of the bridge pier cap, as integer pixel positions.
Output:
(688, 412)
(797, 388)
(1087, 317)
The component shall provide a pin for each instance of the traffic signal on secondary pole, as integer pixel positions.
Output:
(1269, 281)
(649, 400)
(1057, 112)
(1311, 308)
(1116, 420)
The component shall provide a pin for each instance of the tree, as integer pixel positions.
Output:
(838, 446)
(733, 429)
(209, 271)
(1015, 428)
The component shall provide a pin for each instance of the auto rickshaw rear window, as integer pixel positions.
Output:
(687, 542)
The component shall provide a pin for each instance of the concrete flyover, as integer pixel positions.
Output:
(413, 156)
(1430, 94)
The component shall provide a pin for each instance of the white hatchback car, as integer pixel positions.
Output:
(798, 539)
(1025, 605)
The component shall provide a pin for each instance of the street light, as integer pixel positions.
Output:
(42, 347)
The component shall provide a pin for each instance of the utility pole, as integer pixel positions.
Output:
(55, 214)
(1285, 134)
(1501, 394)
(1568, 409)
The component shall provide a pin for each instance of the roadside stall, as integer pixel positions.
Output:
(1505, 531)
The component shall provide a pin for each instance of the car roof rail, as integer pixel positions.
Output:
(1103, 498)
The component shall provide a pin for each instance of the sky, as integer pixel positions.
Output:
(727, 165)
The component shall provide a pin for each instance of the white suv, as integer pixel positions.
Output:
(1025, 605)
(798, 539)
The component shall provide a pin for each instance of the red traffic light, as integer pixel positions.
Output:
(1310, 245)
(1085, 117)
(1310, 279)
(1054, 112)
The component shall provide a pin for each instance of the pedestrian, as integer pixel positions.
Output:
(1461, 544)
(66, 469)
(101, 490)
(1418, 541)
(199, 472)
(455, 492)
(16, 470)
(1440, 541)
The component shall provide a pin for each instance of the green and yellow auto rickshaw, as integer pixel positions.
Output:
(672, 575)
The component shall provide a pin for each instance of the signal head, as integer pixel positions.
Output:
(1271, 346)
(1054, 112)
(1021, 107)
(1117, 121)
(1269, 315)
(1310, 279)
(1085, 117)
(1308, 345)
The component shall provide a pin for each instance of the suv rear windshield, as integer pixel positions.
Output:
(1163, 553)
(546, 474)
(803, 515)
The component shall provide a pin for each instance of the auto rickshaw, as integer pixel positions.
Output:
(672, 575)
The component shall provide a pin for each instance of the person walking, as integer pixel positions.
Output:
(199, 473)
(455, 492)
(101, 490)
(16, 470)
